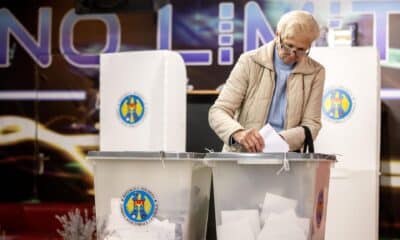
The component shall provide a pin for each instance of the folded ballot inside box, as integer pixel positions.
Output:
(240, 229)
(239, 224)
(285, 225)
(274, 203)
(278, 220)
(120, 229)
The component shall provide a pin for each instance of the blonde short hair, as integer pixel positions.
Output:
(298, 23)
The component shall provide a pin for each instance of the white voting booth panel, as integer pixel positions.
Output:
(142, 101)
(351, 129)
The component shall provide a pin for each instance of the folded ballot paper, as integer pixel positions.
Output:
(241, 229)
(121, 229)
(274, 203)
(278, 220)
(250, 220)
(273, 142)
(285, 225)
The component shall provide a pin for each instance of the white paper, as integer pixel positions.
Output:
(238, 230)
(123, 230)
(285, 225)
(126, 234)
(279, 218)
(288, 234)
(235, 215)
(272, 141)
(276, 204)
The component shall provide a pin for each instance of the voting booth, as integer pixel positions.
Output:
(270, 195)
(142, 101)
(351, 129)
(151, 195)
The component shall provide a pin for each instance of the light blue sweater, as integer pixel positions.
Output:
(277, 111)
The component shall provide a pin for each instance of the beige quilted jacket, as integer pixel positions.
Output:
(245, 99)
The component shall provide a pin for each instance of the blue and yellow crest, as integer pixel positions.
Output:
(131, 109)
(138, 206)
(337, 104)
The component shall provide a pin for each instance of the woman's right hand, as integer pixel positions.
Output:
(250, 139)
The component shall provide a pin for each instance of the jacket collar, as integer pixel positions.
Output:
(264, 56)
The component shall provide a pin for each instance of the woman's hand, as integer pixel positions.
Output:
(250, 139)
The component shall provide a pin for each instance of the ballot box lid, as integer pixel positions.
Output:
(156, 155)
(270, 157)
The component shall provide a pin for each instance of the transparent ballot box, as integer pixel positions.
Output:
(151, 195)
(265, 196)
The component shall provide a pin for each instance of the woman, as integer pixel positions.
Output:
(277, 84)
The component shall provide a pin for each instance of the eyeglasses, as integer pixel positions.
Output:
(289, 48)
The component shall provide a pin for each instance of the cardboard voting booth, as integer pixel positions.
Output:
(142, 101)
(351, 129)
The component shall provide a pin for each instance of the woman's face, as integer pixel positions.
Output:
(292, 50)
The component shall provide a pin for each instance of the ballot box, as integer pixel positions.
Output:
(151, 195)
(261, 196)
